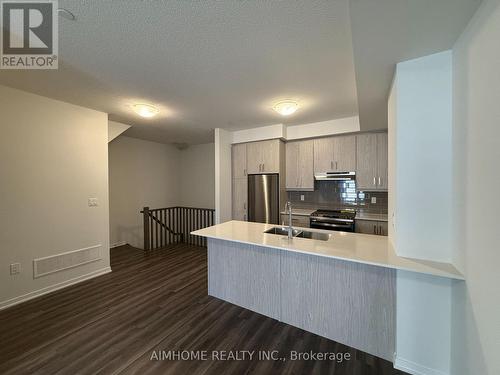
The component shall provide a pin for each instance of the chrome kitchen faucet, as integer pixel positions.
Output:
(290, 229)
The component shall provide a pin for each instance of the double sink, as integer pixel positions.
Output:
(299, 233)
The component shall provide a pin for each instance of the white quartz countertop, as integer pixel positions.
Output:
(355, 247)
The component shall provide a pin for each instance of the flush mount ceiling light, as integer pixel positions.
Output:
(145, 110)
(286, 107)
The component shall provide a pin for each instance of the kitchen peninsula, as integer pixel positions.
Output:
(342, 288)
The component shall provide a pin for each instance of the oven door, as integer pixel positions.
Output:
(343, 227)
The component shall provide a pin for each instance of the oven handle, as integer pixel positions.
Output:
(319, 224)
(326, 220)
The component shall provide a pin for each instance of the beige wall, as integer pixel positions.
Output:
(197, 181)
(392, 162)
(53, 157)
(476, 303)
(115, 129)
(419, 105)
(421, 129)
(141, 173)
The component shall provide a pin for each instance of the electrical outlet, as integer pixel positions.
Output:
(374, 200)
(93, 202)
(302, 197)
(15, 268)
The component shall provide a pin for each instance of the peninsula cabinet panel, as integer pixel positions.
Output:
(247, 276)
(371, 168)
(347, 302)
(263, 157)
(239, 160)
(240, 197)
(300, 165)
(335, 154)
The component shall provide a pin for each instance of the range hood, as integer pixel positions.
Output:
(335, 176)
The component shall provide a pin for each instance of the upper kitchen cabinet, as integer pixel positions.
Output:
(335, 154)
(371, 169)
(382, 159)
(300, 165)
(239, 160)
(239, 199)
(263, 157)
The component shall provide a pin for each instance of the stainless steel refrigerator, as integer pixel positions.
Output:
(263, 198)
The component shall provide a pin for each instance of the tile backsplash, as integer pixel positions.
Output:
(338, 195)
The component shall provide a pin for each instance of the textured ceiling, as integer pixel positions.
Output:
(386, 32)
(210, 64)
(206, 64)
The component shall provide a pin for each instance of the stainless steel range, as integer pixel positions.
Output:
(340, 220)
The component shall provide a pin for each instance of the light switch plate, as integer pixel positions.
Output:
(374, 200)
(15, 268)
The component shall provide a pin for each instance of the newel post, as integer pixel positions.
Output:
(145, 211)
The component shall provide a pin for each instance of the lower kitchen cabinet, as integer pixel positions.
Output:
(371, 227)
(297, 220)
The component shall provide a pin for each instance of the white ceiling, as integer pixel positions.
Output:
(210, 64)
(386, 32)
(207, 64)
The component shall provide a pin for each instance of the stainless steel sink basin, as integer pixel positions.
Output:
(283, 231)
(314, 235)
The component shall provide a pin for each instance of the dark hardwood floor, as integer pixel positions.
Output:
(115, 323)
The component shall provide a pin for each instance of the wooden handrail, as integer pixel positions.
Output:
(166, 208)
(164, 225)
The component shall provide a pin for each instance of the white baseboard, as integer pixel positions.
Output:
(117, 244)
(52, 288)
(414, 368)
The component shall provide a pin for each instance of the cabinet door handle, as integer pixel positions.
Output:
(374, 183)
(260, 167)
(263, 167)
(336, 166)
(379, 180)
(245, 205)
(374, 229)
(331, 165)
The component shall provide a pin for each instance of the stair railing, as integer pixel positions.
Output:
(169, 225)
